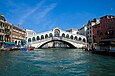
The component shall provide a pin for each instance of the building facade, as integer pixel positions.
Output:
(30, 32)
(5, 30)
(73, 30)
(106, 28)
(89, 32)
(83, 30)
(18, 35)
(9, 32)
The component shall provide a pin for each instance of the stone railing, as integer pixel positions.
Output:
(58, 38)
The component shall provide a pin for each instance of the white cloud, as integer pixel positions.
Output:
(36, 8)
(47, 10)
(38, 13)
(32, 11)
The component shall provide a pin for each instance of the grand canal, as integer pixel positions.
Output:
(55, 62)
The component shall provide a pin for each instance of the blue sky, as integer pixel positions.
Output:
(43, 15)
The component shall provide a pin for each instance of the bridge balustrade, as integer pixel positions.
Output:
(58, 38)
(58, 35)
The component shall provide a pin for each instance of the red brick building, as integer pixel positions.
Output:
(106, 28)
(96, 35)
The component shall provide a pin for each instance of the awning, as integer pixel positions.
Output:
(112, 39)
(10, 43)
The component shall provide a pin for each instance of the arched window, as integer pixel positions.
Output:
(50, 35)
(63, 35)
(67, 36)
(33, 39)
(71, 36)
(80, 38)
(84, 40)
(38, 38)
(75, 38)
(57, 33)
(29, 40)
(19, 43)
(15, 42)
(42, 37)
(46, 36)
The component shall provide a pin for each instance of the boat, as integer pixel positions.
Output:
(23, 49)
(30, 48)
(26, 48)
(7, 46)
(105, 47)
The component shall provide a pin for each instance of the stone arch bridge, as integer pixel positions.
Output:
(56, 34)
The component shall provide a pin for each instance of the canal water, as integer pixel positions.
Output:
(55, 62)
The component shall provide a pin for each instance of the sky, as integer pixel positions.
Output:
(43, 15)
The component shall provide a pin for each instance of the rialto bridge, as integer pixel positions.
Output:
(56, 34)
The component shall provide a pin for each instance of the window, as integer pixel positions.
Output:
(42, 37)
(79, 38)
(108, 26)
(15, 42)
(75, 38)
(84, 40)
(67, 36)
(29, 40)
(33, 39)
(71, 36)
(90, 31)
(63, 35)
(46, 36)
(0, 23)
(38, 38)
(95, 26)
(50, 35)
(56, 33)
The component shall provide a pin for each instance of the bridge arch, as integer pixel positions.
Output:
(29, 40)
(67, 36)
(84, 40)
(50, 35)
(33, 39)
(69, 44)
(38, 38)
(46, 35)
(56, 32)
(80, 39)
(71, 37)
(63, 35)
(42, 36)
(75, 38)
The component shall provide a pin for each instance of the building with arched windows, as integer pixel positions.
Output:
(5, 30)
(11, 33)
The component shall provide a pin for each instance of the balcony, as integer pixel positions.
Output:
(8, 33)
(1, 33)
(1, 27)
